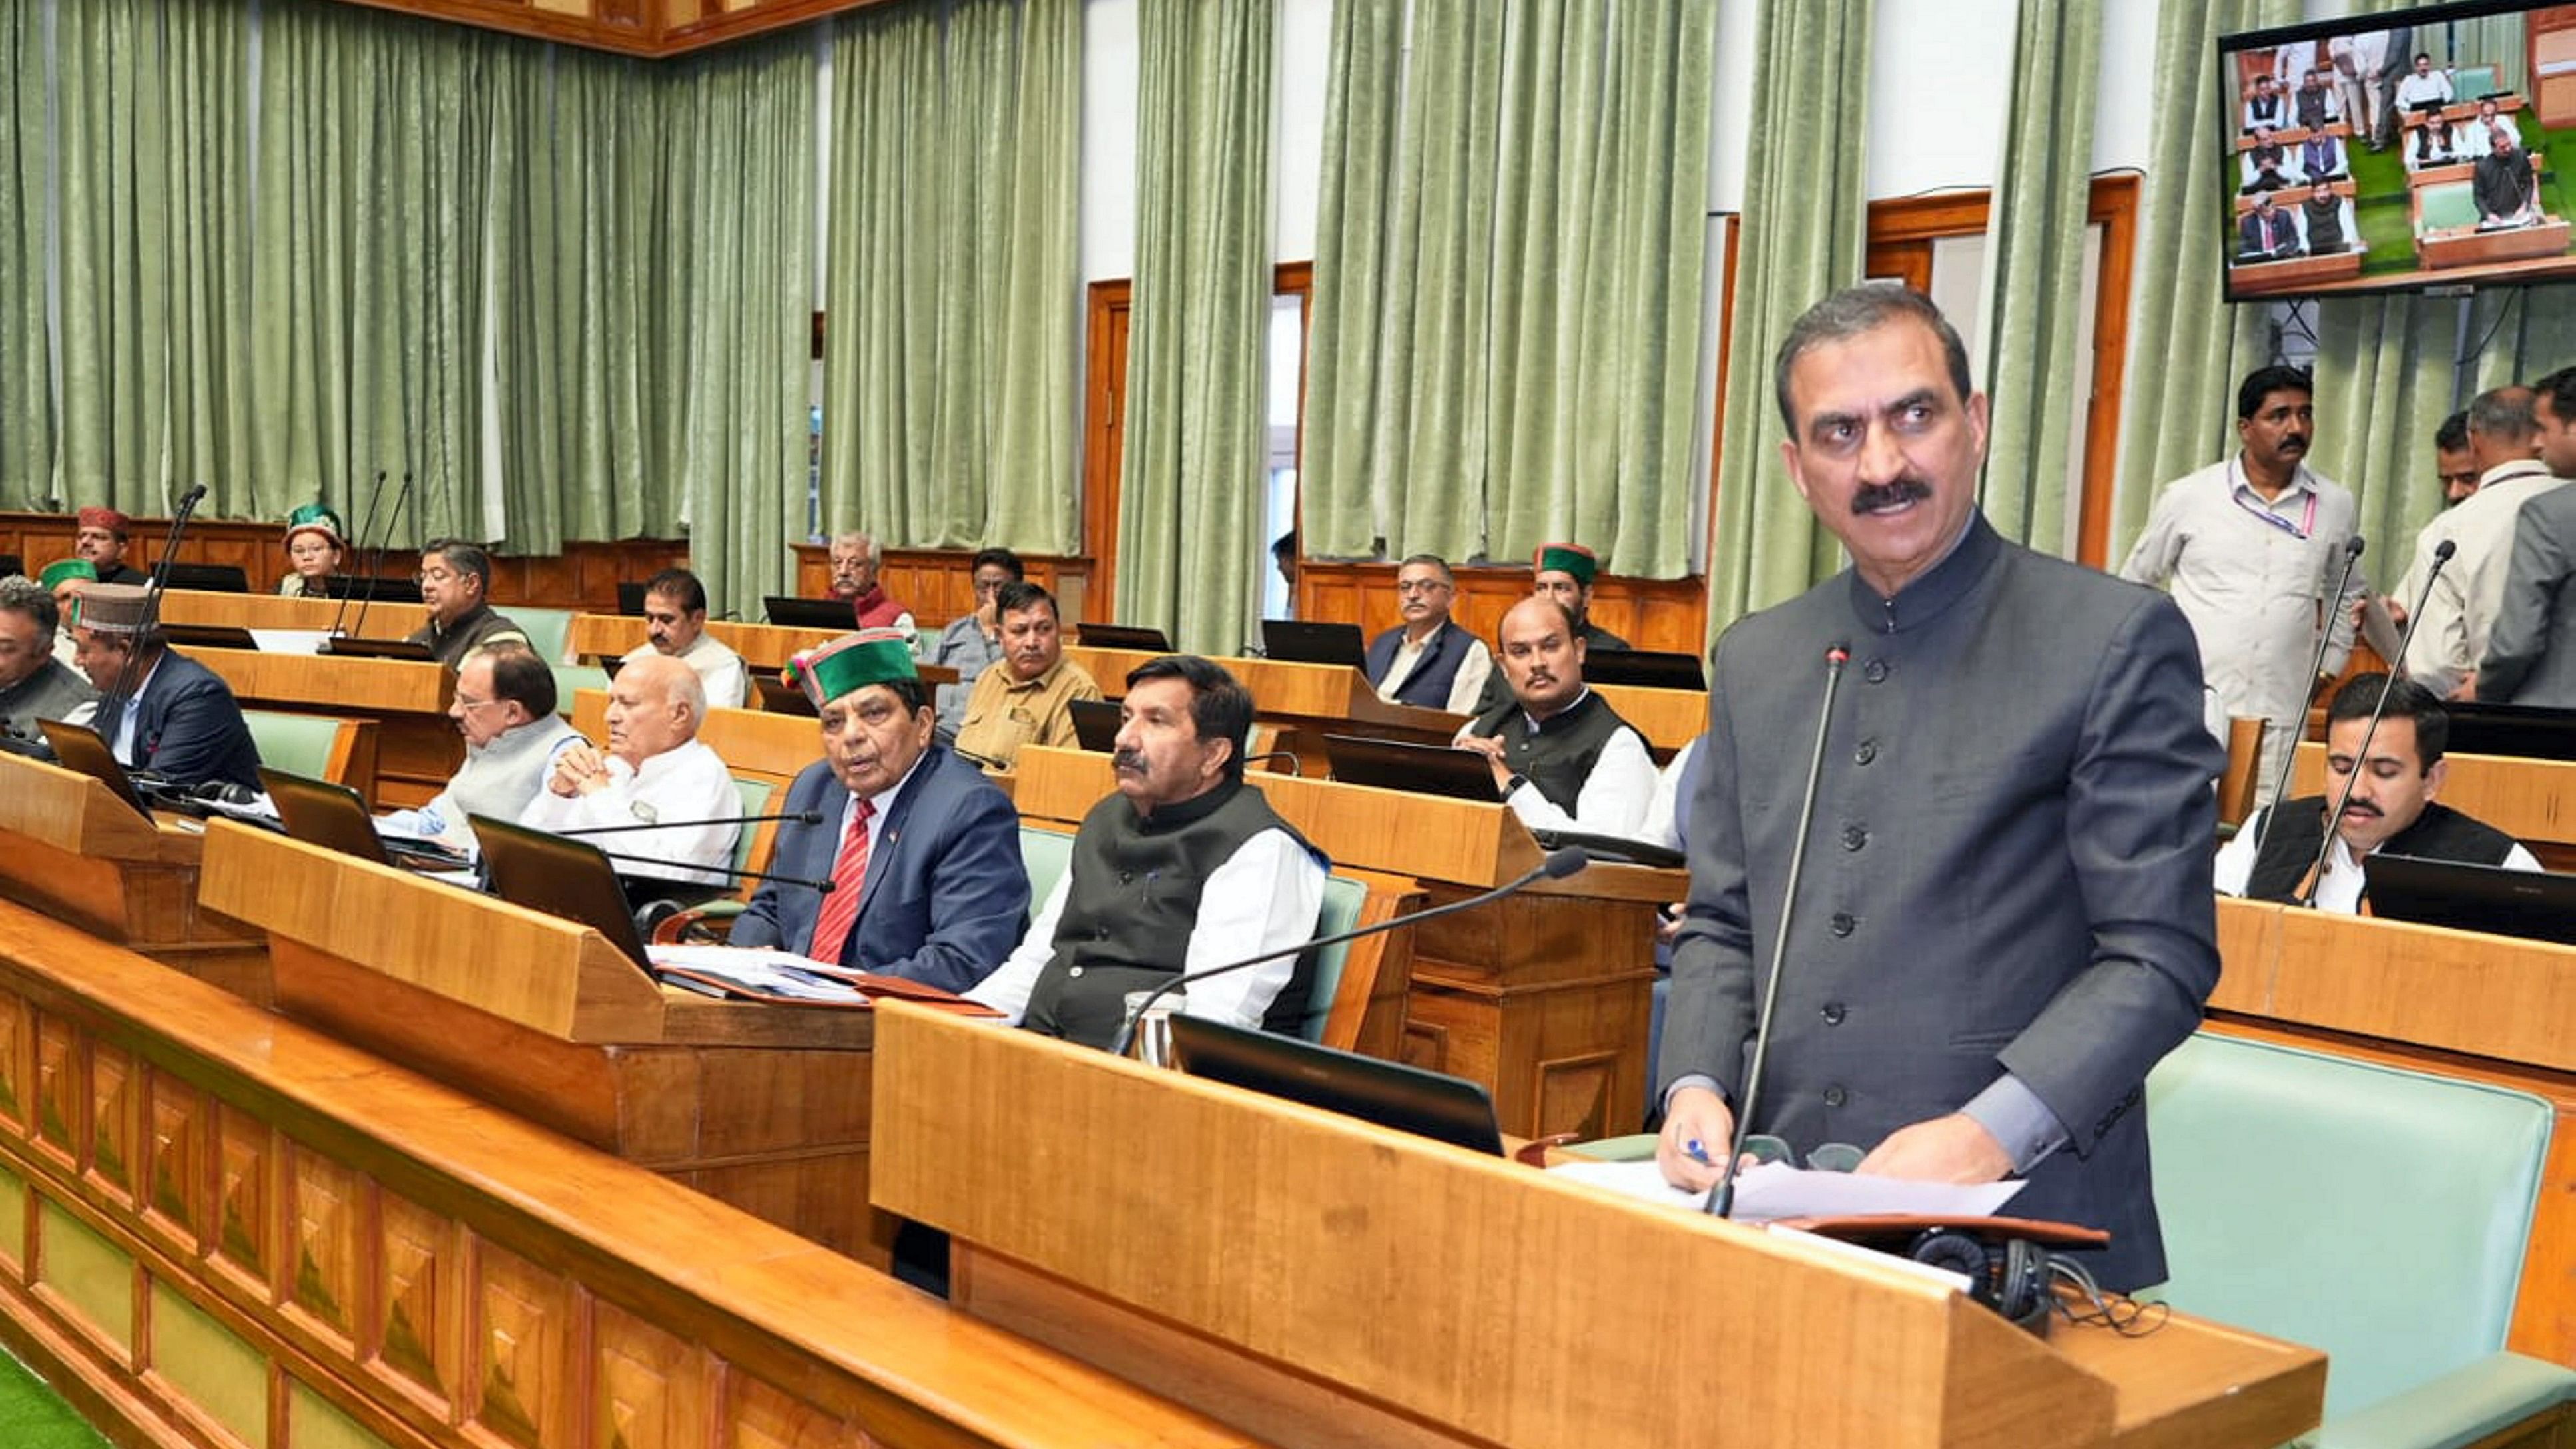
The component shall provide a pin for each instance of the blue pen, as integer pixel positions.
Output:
(1696, 1153)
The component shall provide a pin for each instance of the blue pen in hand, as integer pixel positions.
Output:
(1696, 1152)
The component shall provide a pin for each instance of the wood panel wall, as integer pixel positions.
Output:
(583, 576)
(219, 1229)
(938, 584)
(1667, 614)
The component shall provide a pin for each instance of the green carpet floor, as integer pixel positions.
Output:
(31, 1417)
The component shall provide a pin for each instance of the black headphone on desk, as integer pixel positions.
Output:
(2009, 1275)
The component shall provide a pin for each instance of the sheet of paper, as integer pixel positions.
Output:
(1775, 1190)
(781, 973)
(2378, 629)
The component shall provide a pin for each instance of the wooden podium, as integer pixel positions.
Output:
(1544, 997)
(74, 851)
(761, 1106)
(417, 747)
(1313, 1280)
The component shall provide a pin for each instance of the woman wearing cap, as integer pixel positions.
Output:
(313, 546)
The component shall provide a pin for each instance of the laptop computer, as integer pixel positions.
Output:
(210, 578)
(209, 636)
(1122, 636)
(2520, 730)
(1390, 1094)
(83, 750)
(321, 813)
(381, 588)
(1615, 849)
(11, 563)
(779, 697)
(806, 613)
(1419, 769)
(1649, 668)
(1095, 723)
(1302, 641)
(350, 646)
(559, 876)
(2525, 903)
(630, 599)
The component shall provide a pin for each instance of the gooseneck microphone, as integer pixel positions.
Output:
(2316, 665)
(823, 887)
(801, 817)
(2307, 895)
(376, 565)
(1721, 1198)
(179, 520)
(357, 552)
(1557, 866)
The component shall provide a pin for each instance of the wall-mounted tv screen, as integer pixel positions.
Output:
(2414, 154)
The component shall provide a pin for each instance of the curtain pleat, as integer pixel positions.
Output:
(1804, 232)
(26, 367)
(1190, 484)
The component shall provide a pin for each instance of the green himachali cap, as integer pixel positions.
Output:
(853, 661)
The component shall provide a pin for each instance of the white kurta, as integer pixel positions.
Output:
(683, 784)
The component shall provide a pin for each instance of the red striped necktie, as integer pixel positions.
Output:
(849, 875)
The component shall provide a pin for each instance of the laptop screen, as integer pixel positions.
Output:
(2526, 903)
(1390, 1094)
(318, 812)
(565, 878)
(1303, 641)
(809, 613)
(1420, 769)
(80, 749)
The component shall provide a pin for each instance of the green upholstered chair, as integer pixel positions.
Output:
(755, 793)
(573, 678)
(549, 631)
(300, 744)
(2445, 204)
(1341, 911)
(1045, 854)
(2468, 82)
(2378, 1214)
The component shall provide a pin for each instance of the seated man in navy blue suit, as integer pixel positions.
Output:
(922, 851)
(158, 711)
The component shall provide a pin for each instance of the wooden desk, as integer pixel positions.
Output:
(73, 851)
(273, 611)
(765, 1107)
(2458, 1003)
(1314, 1280)
(228, 1228)
(1304, 701)
(762, 646)
(417, 747)
(1543, 997)
(2534, 801)
(2448, 247)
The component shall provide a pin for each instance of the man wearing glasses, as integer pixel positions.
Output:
(1428, 660)
(505, 709)
(454, 578)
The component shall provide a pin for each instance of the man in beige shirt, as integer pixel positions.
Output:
(1024, 700)
(2460, 611)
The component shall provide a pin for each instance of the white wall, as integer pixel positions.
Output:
(1108, 139)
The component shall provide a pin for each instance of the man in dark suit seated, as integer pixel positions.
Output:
(2006, 918)
(2266, 233)
(159, 711)
(922, 851)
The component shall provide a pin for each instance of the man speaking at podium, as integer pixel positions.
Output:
(2006, 916)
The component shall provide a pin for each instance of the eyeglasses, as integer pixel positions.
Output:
(463, 703)
(1422, 586)
(433, 576)
(1831, 1157)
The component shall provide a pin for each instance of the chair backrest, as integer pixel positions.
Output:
(310, 745)
(2376, 1213)
(2447, 203)
(549, 631)
(1341, 911)
(1044, 854)
(2468, 82)
(571, 679)
(754, 791)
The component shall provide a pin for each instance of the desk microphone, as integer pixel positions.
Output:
(2316, 664)
(822, 887)
(981, 762)
(801, 817)
(1557, 866)
(160, 579)
(376, 565)
(357, 552)
(1721, 1198)
(2307, 895)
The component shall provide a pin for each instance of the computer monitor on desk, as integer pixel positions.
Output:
(1421, 769)
(1407, 1099)
(2521, 731)
(380, 589)
(2527, 903)
(1306, 641)
(1122, 636)
(1646, 668)
(84, 751)
(209, 578)
(808, 613)
(560, 877)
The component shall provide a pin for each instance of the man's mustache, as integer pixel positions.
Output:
(2295, 443)
(1127, 760)
(1887, 497)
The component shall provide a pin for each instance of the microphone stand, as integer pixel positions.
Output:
(376, 565)
(2316, 665)
(1721, 1198)
(1558, 865)
(801, 817)
(179, 517)
(366, 521)
(820, 887)
(2307, 896)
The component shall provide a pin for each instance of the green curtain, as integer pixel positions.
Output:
(2187, 348)
(1189, 504)
(2035, 371)
(154, 251)
(377, 152)
(26, 368)
(950, 389)
(1509, 278)
(1805, 230)
(580, 198)
(741, 163)
(2496, 40)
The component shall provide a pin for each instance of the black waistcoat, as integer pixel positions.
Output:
(1133, 904)
(1558, 754)
(2290, 847)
